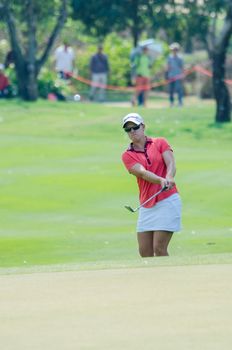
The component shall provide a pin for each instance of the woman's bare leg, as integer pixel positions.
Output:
(145, 241)
(154, 243)
(161, 240)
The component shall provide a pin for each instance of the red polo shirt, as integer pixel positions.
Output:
(4, 82)
(152, 160)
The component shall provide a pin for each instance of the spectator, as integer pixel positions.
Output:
(142, 65)
(99, 69)
(175, 66)
(5, 87)
(9, 58)
(64, 57)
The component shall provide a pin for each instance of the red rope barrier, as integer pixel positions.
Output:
(187, 72)
(109, 87)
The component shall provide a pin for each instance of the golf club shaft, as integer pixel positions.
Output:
(153, 196)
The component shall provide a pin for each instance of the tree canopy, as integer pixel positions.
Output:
(34, 25)
(31, 41)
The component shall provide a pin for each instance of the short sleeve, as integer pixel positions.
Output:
(163, 145)
(128, 160)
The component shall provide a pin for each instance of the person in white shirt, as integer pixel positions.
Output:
(64, 57)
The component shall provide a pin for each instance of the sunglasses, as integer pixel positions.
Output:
(132, 128)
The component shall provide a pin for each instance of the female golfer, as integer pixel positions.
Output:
(151, 160)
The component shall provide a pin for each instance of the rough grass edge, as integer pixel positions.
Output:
(209, 259)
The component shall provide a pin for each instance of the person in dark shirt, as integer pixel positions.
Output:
(9, 60)
(175, 74)
(99, 69)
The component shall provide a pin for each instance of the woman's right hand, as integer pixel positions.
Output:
(165, 183)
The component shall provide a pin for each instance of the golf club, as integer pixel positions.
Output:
(153, 196)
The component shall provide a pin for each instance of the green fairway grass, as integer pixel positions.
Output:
(63, 185)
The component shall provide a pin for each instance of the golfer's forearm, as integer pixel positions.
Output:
(170, 164)
(171, 170)
(151, 177)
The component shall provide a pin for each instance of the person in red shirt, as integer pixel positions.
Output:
(152, 161)
(4, 83)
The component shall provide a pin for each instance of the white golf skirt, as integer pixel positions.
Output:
(164, 216)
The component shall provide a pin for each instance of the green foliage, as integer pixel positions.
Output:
(99, 17)
(48, 82)
(4, 47)
(43, 20)
(182, 21)
(118, 52)
(11, 74)
(103, 17)
(41, 8)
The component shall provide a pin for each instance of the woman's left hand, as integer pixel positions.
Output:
(170, 182)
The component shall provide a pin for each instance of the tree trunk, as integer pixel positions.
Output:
(135, 23)
(27, 81)
(188, 44)
(221, 92)
(27, 66)
(219, 44)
